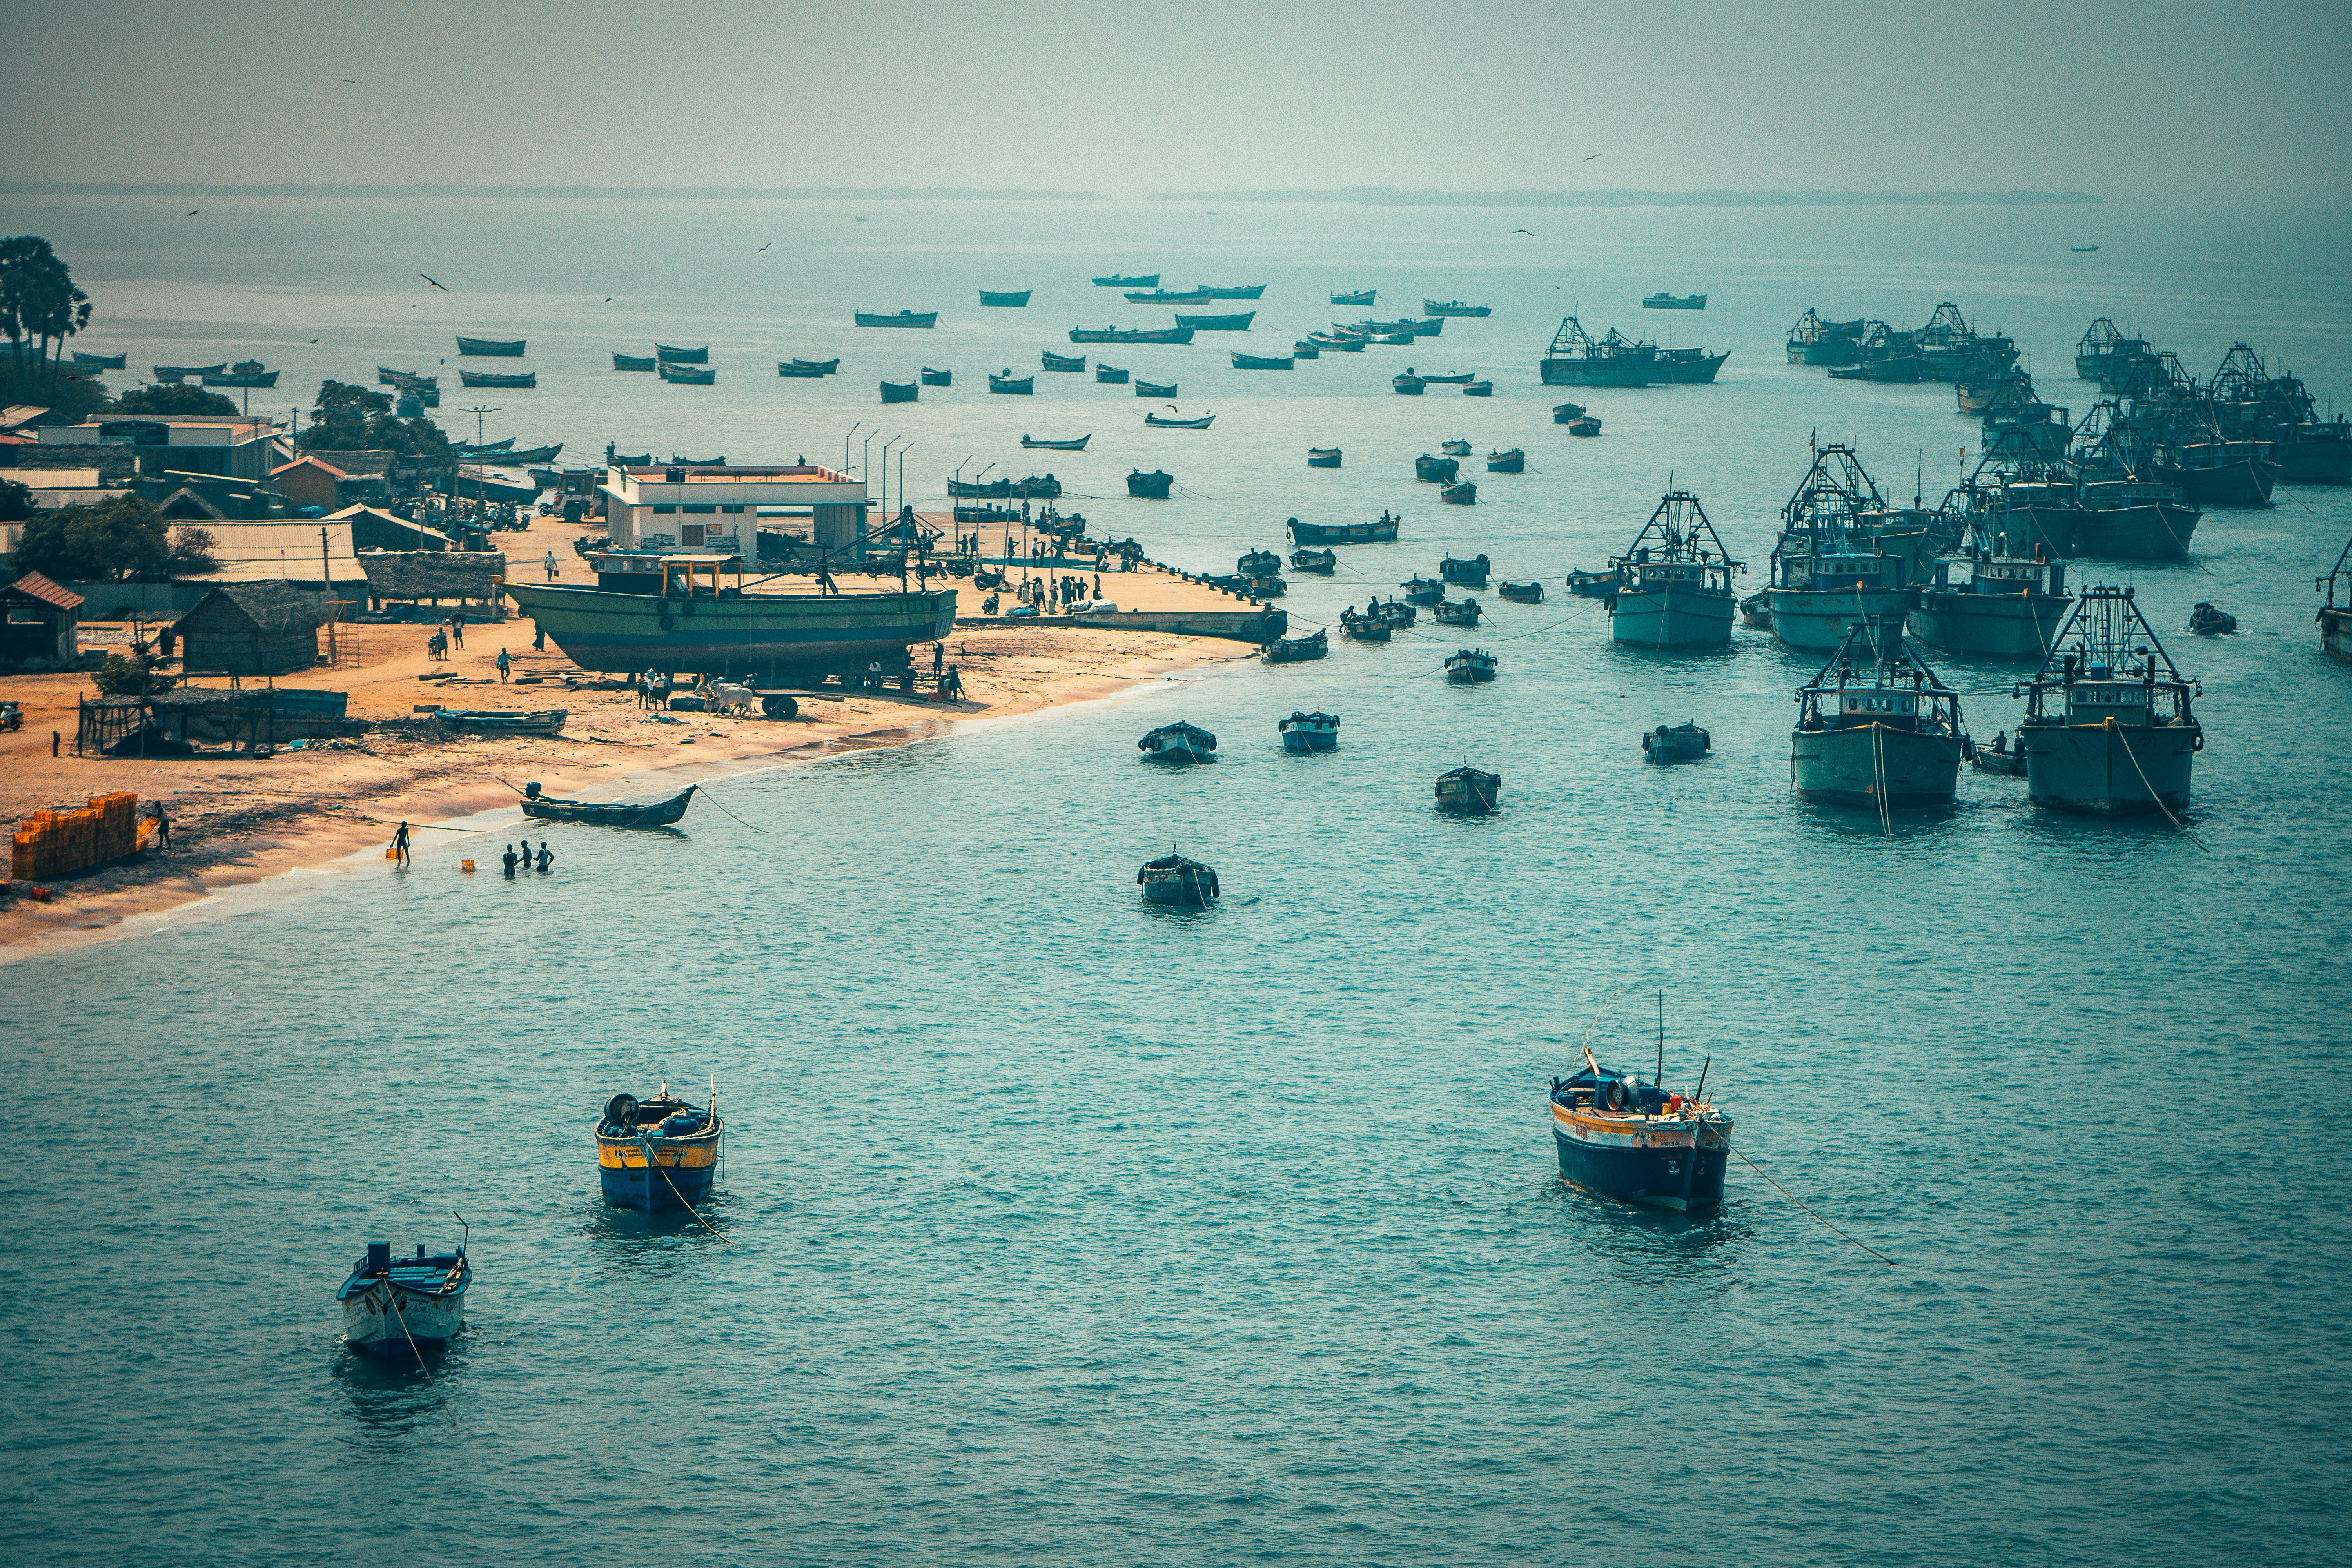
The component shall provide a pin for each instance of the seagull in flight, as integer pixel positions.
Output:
(1528, 232)
(193, 211)
(763, 248)
(435, 282)
(1589, 160)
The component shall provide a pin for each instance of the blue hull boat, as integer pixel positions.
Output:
(657, 1153)
(1621, 1137)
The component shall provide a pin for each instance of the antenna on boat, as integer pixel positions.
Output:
(1660, 1078)
(469, 1232)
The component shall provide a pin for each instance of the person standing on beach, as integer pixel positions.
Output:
(551, 565)
(506, 664)
(537, 638)
(162, 826)
(457, 628)
(400, 843)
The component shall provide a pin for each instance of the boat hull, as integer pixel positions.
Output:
(2316, 460)
(1304, 741)
(2118, 772)
(2151, 531)
(1651, 1164)
(682, 1173)
(1871, 765)
(783, 638)
(1698, 370)
(2335, 633)
(2056, 528)
(2246, 482)
(1991, 626)
(1670, 616)
(423, 1323)
(1827, 352)
(1638, 371)
(1809, 618)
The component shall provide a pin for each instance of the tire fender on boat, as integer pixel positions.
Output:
(667, 623)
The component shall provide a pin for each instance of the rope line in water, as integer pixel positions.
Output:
(1801, 1203)
(2117, 730)
(689, 1207)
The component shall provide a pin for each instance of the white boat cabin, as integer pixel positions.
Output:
(1830, 573)
(2094, 702)
(2008, 575)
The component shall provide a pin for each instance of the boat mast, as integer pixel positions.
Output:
(1660, 1076)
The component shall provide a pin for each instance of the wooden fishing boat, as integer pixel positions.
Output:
(792, 370)
(897, 318)
(534, 454)
(1201, 424)
(1302, 349)
(1395, 611)
(1179, 744)
(1292, 651)
(1479, 389)
(1153, 389)
(1664, 301)
(1469, 789)
(686, 374)
(1065, 364)
(1262, 362)
(1152, 486)
(1402, 340)
(245, 378)
(657, 1153)
(1459, 378)
(1168, 297)
(1435, 470)
(967, 489)
(1462, 573)
(1330, 343)
(1361, 297)
(1588, 426)
(500, 446)
(1456, 612)
(1408, 385)
(482, 378)
(1130, 334)
(1106, 376)
(1470, 666)
(675, 355)
(1140, 280)
(1456, 307)
(505, 722)
(1259, 563)
(901, 391)
(1384, 532)
(1305, 733)
(1458, 447)
(182, 372)
(822, 366)
(404, 1306)
(100, 361)
(1011, 384)
(1079, 445)
(1322, 457)
(1521, 592)
(607, 813)
(643, 459)
(492, 348)
(1177, 883)
(1365, 628)
(937, 377)
(1231, 290)
(1566, 413)
(2208, 621)
(1684, 742)
(632, 361)
(1405, 326)
(1320, 562)
(1240, 324)
(1594, 585)
(1005, 298)
(1999, 759)
(1419, 590)
(1513, 461)
(387, 376)
(1621, 1138)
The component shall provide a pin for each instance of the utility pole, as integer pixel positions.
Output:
(478, 413)
(846, 435)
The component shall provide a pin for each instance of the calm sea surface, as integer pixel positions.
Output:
(1058, 1229)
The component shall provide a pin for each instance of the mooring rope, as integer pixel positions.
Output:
(650, 1165)
(1801, 1203)
(2117, 730)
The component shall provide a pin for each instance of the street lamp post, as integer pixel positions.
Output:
(846, 435)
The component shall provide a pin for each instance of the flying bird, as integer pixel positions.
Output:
(763, 248)
(1589, 160)
(1528, 232)
(193, 211)
(435, 282)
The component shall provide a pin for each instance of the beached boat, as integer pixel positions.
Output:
(492, 348)
(1152, 486)
(632, 361)
(182, 372)
(1013, 385)
(1130, 334)
(1521, 592)
(1360, 297)
(1304, 732)
(1200, 423)
(1064, 364)
(1323, 457)
(1456, 612)
(244, 378)
(1154, 389)
(2109, 727)
(1436, 470)
(1140, 280)
(404, 1306)
(1292, 651)
(1005, 298)
(508, 721)
(1469, 789)
(1179, 744)
(2007, 606)
(1365, 628)
(657, 1153)
(1673, 584)
(1079, 445)
(677, 356)
(1470, 666)
(686, 374)
(1462, 494)
(1665, 302)
(1456, 307)
(607, 813)
(1877, 727)
(1828, 571)
(100, 361)
(1322, 563)
(1619, 1137)
(897, 318)
(1240, 324)
(1513, 461)
(937, 377)
(1262, 362)
(901, 391)
(1384, 532)
(481, 378)
(1177, 883)
(1684, 742)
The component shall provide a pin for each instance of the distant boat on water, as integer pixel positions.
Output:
(100, 361)
(1140, 280)
(1169, 297)
(1362, 297)
(243, 377)
(1469, 789)
(182, 372)
(1323, 457)
(1240, 324)
(683, 356)
(686, 374)
(897, 318)
(1304, 732)
(1013, 385)
(1110, 375)
(1177, 882)
(1200, 423)
(936, 377)
(1012, 299)
(901, 391)
(1130, 334)
(485, 378)
(1231, 290)
(492, 348)
(659, 1153)
(1078, 445)
(1262, 362)
(632, 361)
(1452, 308)
(1662, 301)
(2082, 249)
(1152, 486)
(1154, 389)
(1384, 532)
(1072, 365)
(1180, 743)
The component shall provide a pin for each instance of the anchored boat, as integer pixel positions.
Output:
(611, 813)
(1323, 562)
(1178, 882)
(1322, 457)
(1384, 532)
(1293, 650)
(1469, 574)
(1828, 572)
(1139, 280)
(1469, 789)
(1179, 744)
(1619, 1137)
(1877, 727)
(1372, 627)
(2008, 606)
(1303, 732)
(401, 1306)
(1684, 742)
(897, 318)
(1665, 302)
(1470, 667)
(1152, 486)
(1131, 335)
(1815, 342)
(1672, 588)
(2336, 620)
(494, 348)
(2109, 726)
(1005, 298)
(657, 1153)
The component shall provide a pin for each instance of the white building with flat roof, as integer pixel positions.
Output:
(705, 508)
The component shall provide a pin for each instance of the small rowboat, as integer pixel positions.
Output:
(1684, 742)
(100, 361)
(1322, 457)
(182, 372)
(1479, 389)
(1588, 426)
(1365, 628)
(1459, 378)
(1153, 389)
(244, 378)
(1322, 562)
(1013, 385)
(607, 813)
(396, 1307)
(1008, 299)
(1456, 307)
(936, 377)
(1169, 297)
(1140, 280)
(1302, 349)
(901, 391)
(1152, 486)
(1436, 470)
(1334, 344)
(688, 374)
(1566, 413)
(1231, 290)
(1458, 447)
(792, 370)
(897, 318)
(528, 378)
(1179, 883)
(632, 362)
(1381, 533)
(1467, 788)
(492, 348)
(1262, 362)
(1365, 297)
(1078, 445)
(1130, 334)
(1521, 592)
(1075, 364)
(1293, 650)
(822, 366)
(1455, 611)
(1513, 461)
(1201, 424)
(1107, 375)
(1463, 494)
(683, 356)
(1240, 324)
(1470, 665)
(1410, 385)
(545, 721)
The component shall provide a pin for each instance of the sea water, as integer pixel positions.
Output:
(1059, 1228)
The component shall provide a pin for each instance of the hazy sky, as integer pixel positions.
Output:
(2250, 100)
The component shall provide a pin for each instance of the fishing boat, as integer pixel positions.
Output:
(1827, 570)
(244, 378)
(1408, 385)
(1665, 302)
(492, 348)
(1566, 413)
(1671, 586)
(2102, 346)
(1579, 359)
(1152, 486)
(2109, 727)
(1365, 628)
(1435, 470)
(1595, 584)
(1304, 732)
(1168, 297)
(387, 376)
(1689, 366)
(897, 318)
(2082, 249)
(1513, 461)
(1177, 883)
(616, 460)
(1420, 590)
(901, 391)
(1478, 389)
(534, 454)
(1322, 457)
(654, 614)
(1013, 385)
(2125, 519)
(2007, 606)
(1106, 376)
(1453, 308)
(1005, 298)
(657, 1153)
(1622, 1138)
(979, 490)
(2214, 472)
(1462, 573)
(791, 370)
(1684, 742)
(1463, 494)
(1231, 290)
(1292, 651)
(481, 378)
(1200, 423)
(632, 361)
(1877, 727)
(182, 372)
(686, 374)
(607, 813)
(404, 1306)
(1394, 611)
(822, 366)
(1079, 445)
(1470, 667)
(1154, 389)
(1815, 342)
(1459, 378)
(1068, 364)
(1259, 563)
(1130, 334)
(1328, 342)
(1521, 592)
(1179, 745)
(1458, 447)
(1302, 349)
(539, 722)
(1140, 280)
(1240, 324)
(1999, 759)
(100, 361)
(1456, 612)
(2336, 619)
(1263, 362)
(2206, 621)
(1322, 563)
(1469, 789)
(1384, 532)
(675, 355)
(937, 377)
(1360, 297)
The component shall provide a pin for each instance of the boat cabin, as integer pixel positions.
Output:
(2004, 574)
(2094, 702)
(666, 573)
(1829, 573)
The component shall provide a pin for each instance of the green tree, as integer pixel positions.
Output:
(348, 419)
(191, 552)
(168, 399)
(16, 501)
(118, 539)
(39, 301)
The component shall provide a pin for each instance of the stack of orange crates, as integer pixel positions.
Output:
(59, 843)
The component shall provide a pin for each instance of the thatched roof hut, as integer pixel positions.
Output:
(252, 628)
(434, 573)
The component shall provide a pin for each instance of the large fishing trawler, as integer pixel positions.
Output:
(1673, 582)
(2335, 619)
(1877, 727)
(1828, 572)
(2109, 726)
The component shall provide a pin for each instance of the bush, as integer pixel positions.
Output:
(166, 399)
(129, 675)
(116, 539)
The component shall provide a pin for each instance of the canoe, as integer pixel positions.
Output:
(493, 348)
(1262, 362)
(100, 361)
(900, 390)
(1008, 299)
(1365, 297)
(822, 366)
(897, 318)
(1130, 334)
(1074, 364)
(484, 378)
(179, 372)
(545, 721)
(1154, 419)
(688, 374)
(1168, 297)
(1153, 389)
(1231, 290)
(1140, 280)
(683, 356)
(632, 362)
(607, 813)
(1104, 374)
(1013, 385)
(1322, 457)
(1240, 324)
(1078, 445)
(936, 377)
(1152, 486)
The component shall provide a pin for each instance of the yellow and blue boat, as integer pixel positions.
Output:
(657, 1153)
(1619, 1137)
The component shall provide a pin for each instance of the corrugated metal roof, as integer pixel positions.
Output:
(41, 588)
